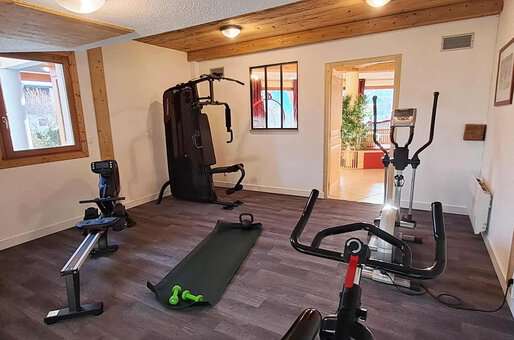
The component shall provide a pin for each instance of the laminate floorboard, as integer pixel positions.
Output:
(272, 287)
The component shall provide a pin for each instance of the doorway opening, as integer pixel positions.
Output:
(353, 163)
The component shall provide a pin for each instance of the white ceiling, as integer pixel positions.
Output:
(148, 17)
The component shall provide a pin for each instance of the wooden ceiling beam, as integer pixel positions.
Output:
(20, 20)
(458, 11)
(290, 18)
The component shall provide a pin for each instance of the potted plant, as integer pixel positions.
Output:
(354, 130)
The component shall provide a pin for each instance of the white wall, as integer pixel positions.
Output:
(136, 75)
(293, 161)
(41, 199)
(498, 163)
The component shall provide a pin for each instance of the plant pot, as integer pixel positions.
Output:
(349, 159)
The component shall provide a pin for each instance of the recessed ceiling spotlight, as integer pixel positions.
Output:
(377, 3)
(230, 31)
(82, 6)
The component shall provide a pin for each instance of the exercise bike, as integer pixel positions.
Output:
(109, 214)
(390, 219)
(347, 323)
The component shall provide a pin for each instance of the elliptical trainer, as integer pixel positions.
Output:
(390, 219)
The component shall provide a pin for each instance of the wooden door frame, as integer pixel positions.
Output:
(329, 68)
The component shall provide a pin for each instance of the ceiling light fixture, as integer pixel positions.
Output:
(230, 31)
(377, 3)
(82, 6)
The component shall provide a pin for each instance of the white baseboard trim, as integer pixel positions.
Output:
(502, 277)
(452, 209)
(63, 225)
(143, 200)
(269, 189)
(447, 208)
(38, 233)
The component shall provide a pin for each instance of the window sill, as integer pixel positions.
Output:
(33, 160)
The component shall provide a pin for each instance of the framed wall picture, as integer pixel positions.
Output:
(505, 78)
(274, 96)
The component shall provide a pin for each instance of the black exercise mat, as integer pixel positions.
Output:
(210, 266)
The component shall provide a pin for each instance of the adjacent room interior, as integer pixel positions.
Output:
(275, 169)
(355, 169)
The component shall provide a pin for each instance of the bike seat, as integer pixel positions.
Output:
(101, 224)
(306, 326)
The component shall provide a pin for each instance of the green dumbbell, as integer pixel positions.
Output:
(175, 291)
(187, 296)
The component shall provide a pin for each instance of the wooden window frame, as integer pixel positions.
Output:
(10, 158)
(265, 67)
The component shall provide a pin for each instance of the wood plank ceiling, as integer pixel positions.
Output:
(311, 21)
(23, 21)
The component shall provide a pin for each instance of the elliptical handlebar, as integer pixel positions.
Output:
(375, 139)
(432, 127)
(405, 270)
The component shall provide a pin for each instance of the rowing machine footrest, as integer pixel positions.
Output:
(101, 224)
(91, 213)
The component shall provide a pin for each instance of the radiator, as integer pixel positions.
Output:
(480, 206)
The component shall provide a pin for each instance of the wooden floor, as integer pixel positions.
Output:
(272, 287)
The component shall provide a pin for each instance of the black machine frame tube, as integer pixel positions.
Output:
(411, 194)
(73, 291)
(375, 139)
(386, 179)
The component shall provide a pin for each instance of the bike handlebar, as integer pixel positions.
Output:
(405, 269)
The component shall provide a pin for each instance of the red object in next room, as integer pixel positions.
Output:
(373, 160)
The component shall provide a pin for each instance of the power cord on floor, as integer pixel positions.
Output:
(442, 297)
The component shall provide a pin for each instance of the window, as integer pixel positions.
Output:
(40, 110)
(385, 98)
(274, 96)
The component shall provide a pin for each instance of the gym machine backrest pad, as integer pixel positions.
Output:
(189, 144)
